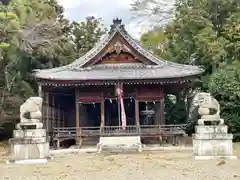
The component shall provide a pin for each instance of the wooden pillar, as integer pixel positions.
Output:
(158, 116)
(162, 119)
(78, 131)
(58, 115)
(53, 118)
(137, 113)
(102, 117)
(47, 112)
(162, 111)
(63, 118)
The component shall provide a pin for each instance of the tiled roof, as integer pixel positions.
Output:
(122, 71)
(77, 71)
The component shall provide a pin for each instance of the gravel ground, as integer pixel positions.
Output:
(161, 165)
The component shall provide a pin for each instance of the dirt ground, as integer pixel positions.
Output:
(161, 165)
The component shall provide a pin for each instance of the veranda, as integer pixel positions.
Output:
(95, 111)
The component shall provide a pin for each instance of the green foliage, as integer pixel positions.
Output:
(224, 84)
(197, 34)
(155, 41)
(86, 34)
(34, 35)
(206, 33)
(4, 45)
(175, 113)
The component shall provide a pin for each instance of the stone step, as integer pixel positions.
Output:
(121, 143)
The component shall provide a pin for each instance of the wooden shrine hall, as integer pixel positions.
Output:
(81, 99)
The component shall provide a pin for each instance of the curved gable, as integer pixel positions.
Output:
(118, 56)
(120, 51)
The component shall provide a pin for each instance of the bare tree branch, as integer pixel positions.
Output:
(41, 34)
(153, 11)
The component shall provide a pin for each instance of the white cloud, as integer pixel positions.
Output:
(125, 3)
(136, 29)
(107, 9)
(70, 3)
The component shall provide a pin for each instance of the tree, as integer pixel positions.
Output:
(206, 33)
(155, 11)
(224, 84)
(155, 41)
(34, 35)
(86, 33)
(199, 33)
(9, 25)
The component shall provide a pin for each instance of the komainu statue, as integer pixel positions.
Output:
(208, 108)
(30, 110)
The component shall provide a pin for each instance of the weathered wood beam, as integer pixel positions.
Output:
(78, 130)
(47, 112)
(137, 113)
(58, 115)
(162, 118)
(53, 118)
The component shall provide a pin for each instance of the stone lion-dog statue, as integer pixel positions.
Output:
(208, 108)
(30, 110)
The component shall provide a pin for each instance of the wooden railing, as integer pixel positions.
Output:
(154, 131)
(74, 131)
(148, 130)
(119, 131)
(142, 130)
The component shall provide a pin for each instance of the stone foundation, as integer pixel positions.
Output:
(121, 143)
(212, 142)
(29, 146)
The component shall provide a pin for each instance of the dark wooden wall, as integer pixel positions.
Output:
(144, 92)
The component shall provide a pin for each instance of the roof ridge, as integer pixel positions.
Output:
(98, 46)
(159, 60)
(119, 28)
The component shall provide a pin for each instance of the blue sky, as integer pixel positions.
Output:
(107, 9)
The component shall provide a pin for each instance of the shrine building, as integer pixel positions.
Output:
(117, 88)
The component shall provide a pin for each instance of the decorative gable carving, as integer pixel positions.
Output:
(117, 57)
(116, 53)
(118, 47)
(116, 50)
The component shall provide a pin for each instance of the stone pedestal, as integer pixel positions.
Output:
(29, 145)
(121, 143)
(212, 142)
